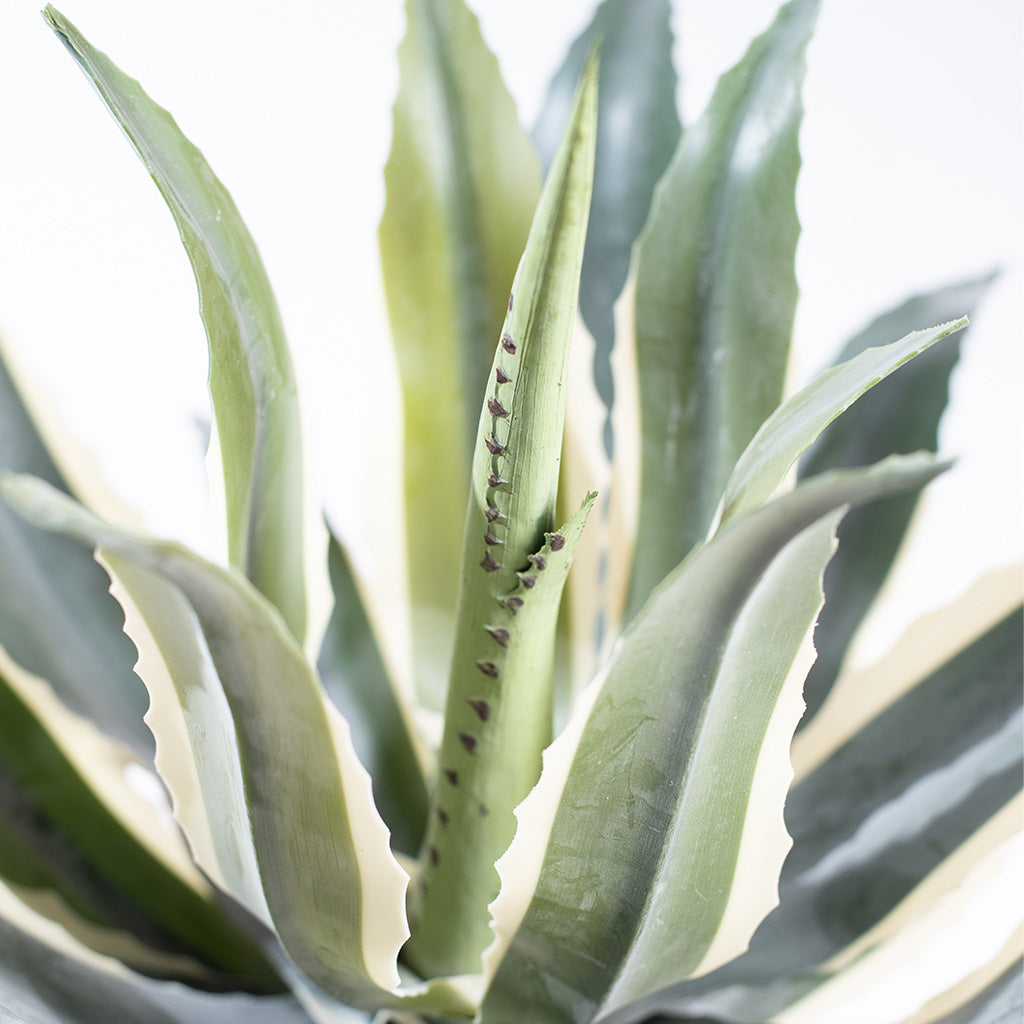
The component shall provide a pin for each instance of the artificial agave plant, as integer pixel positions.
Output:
(596, 829)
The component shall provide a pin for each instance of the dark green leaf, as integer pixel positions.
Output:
(57, 832)
(637, 132)
(885, 810)
(56, 617)
(358, 682)
(901, 414)
(42, 984)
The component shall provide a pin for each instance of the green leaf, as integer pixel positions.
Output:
(637, 132)
(47, 978)
(462, 181)
(499, 713)
(56, 617)
(357, 680)
(252, 382)
(716, 294)
(277, 760)
(872, 822)
(793, 427)
(900, 415)
(662, 802)
(70, 824)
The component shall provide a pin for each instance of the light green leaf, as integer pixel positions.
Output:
(252, 382)
(70, 825)
(462, 181)
(319, 851)
(793, 427)
(716, 294)
(649, 850)
(56, 617)
(357, 680)
(900, 415)
(499, 713)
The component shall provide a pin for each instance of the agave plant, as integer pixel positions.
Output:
(563, 807)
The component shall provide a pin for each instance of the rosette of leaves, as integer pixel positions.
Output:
(598, 830)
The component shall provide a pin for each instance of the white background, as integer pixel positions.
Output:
(912, 150)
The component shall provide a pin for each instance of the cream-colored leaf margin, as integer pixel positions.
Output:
(599, 581)
(195, 746)
(893, 948)
(48, 925)
(103, 763)
(861, 695)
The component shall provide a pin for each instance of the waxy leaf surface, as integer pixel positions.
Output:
(462, 181)
(716, 294)
(513, 570)
(650, 871)
(56, 617)
(311, 839)
(252, 382)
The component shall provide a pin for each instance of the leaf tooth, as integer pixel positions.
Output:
(489, 564)
(500, 634)
(488, 668)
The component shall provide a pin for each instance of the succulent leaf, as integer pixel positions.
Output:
(354, 674)
(793, 427)
(861, 845)
(900, 415)
(334, 894)
(651, 788)
(462, 181)
(71, 826)
(252, 382)
(56, 617)
(503, 652)
(716, 294)
(46, 977)
(637, 132)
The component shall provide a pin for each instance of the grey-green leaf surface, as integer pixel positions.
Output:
(794, 426)
(513, 570)
(42, 984)
(357, 680)
(252, 382)
(900, 415)
(58, 833)
(56, 617)
(1001, 1002)
(462, 181)
(641, 875)
(335, 894)
(637, 132)
(716, 294)
(884, 811)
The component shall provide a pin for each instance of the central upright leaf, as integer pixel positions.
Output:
(462, 182)
(499, 711)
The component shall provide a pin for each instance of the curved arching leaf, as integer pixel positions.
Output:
(650, 848)
(307, 834)
(252, 382)
(901, 414)
(70, 825)
(886, 809)
(56, 616)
